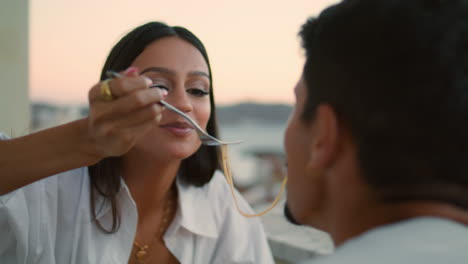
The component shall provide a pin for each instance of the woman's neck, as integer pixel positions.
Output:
(148, 180)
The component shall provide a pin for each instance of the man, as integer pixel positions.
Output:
(377, 146)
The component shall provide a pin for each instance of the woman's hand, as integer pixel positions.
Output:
(114, 126)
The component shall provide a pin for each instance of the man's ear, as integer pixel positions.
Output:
(325, 135)
(322, 153)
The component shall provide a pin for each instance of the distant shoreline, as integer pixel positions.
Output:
(244, 112)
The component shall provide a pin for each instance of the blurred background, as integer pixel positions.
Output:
(52, 51)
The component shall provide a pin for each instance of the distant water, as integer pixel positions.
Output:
(268, 137)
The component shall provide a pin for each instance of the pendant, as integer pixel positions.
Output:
(141, 253)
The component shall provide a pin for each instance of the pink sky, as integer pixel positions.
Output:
(253, 45)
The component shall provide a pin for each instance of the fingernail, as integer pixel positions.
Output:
(148, 80)
(131, 69)
(158, 118)
(164, 92)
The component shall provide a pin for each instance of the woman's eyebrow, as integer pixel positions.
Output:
(171, 72)
(200, 73)
(158, 69)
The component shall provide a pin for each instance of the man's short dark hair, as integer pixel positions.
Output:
(396, 73)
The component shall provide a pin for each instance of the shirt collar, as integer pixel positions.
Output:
(103, 206)
(195, 211)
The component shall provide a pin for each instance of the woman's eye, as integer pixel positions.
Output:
(160, 86)
(197, 92)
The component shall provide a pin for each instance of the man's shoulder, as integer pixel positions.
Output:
(409, 241)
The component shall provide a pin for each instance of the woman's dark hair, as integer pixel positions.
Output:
(197, 169)
(396, 74)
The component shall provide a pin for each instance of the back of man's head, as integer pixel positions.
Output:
(396, 73)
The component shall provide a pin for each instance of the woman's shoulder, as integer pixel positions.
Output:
(217, 195)
(226, 197)
(218, 182)
(66, 179)
(69, 181)
(228, 201)
(65, 184)
(217, 187)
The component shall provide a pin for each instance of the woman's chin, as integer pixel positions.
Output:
(180, 155)
(170, 148)
(179, 152)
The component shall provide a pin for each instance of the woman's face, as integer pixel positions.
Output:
(176, 66)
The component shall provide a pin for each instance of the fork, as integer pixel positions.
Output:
(205, 138)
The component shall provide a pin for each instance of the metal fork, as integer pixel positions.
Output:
(205, 138)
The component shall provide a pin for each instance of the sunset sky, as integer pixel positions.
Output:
(253, 45)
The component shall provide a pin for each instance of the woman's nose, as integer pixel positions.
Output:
(180, 99)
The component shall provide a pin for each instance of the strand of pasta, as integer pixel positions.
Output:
(228, 175)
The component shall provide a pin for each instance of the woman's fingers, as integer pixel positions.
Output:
(119, 87)
(127, 110)
(148, 114)
(126, 85)
(115, 125)
(137, 100)
(115, 137)
(126, 139)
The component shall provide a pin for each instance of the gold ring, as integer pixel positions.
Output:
(106, 93)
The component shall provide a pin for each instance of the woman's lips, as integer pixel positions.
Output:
(179, 129)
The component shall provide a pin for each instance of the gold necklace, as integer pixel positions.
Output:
(142, 250)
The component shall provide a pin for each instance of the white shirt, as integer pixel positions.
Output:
(423, 240)
(49, 222)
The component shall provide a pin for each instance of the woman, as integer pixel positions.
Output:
(152, 193)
